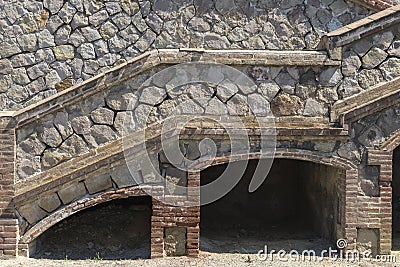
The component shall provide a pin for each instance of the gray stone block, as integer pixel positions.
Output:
(50, 203)
(97, 183)
(72, 192)
(122, 177)
(175, 241)
(32, 212)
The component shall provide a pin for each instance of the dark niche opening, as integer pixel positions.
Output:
(119, 229)
(297, 207)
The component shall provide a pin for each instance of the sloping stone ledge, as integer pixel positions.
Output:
(360, 29)
(375, 5)
(374, 99)
(392, 143)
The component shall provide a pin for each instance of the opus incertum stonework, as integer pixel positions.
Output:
(143, 103)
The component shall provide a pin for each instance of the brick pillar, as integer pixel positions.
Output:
(384, 159)
(9, 237)
(341, 230)
(350, 220)
(193, 229)
(8, 223)
(157, 225)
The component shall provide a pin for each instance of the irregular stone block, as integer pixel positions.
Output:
(72, 192)
(121, 101)
(226, 89)
(175, 177)
(90, 34)
(102, 116)
(79, 20)
(32, 146)
(123, 177)
(373, 58)
(390, 68)
(349, 87)
(67, 12)
(5, 66)
(259, 106)
(314, 108)
(146, 40)
(23, 60)
(117, 44)
(63, 125)
(383, 40)
(368, 78)
(175, 241)
(125, 123)
(330, 77)
(287, 105)
(28, 166)
(100, 134)
(45, 39)
(97, 183)
(53, 5)
(62, 35)
(32, 212)
(351, 63)
(9, 48)
(75, 145)
(50, 136)
(86, 51)
(19, 76)
(53, 157)
(81, 124)
(216, 107)
(64, 52)
(368, 239)
(152, 95)
(108, 30)
(268, 89)
(238, 105)
(98, 18)
(50, 203)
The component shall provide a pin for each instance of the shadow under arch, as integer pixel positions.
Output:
(87, 203)
(343, 169)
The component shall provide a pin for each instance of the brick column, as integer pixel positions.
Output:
(350, 220)
(157, 225)
(341, 230)
(193, 229)
(384, 159)
(8, 223)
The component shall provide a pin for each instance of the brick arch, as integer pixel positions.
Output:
(82, 204)
(281, 153)
(347, 187)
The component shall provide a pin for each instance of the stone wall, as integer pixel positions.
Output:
(47, 46)
(370, 61)
(103, 117)
(369, 133)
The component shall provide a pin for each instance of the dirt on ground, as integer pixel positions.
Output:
(204, 259)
